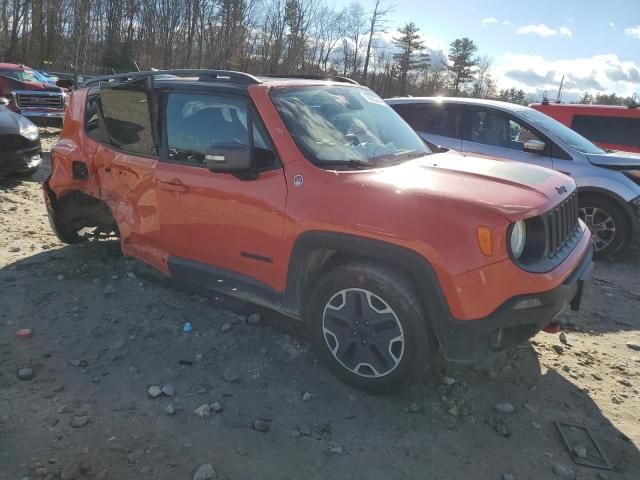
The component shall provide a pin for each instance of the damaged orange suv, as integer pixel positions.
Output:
(312, 197)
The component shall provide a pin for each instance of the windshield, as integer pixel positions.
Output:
(22, 75)
(346, 125)
(560, 131)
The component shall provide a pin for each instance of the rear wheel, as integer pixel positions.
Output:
(607, 222)
(368, 326)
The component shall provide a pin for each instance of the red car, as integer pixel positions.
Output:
(22, 92)
(314, 198)
(608, 126)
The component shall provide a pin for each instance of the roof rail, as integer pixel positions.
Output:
(202, 74)
(311, 76)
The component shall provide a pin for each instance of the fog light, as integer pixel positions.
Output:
(528, 303)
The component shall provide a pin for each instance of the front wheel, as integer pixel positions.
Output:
(607, 222)
(368, 326)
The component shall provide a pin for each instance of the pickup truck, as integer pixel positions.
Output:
(23, 93)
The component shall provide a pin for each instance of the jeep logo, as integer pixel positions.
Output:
(561, 189)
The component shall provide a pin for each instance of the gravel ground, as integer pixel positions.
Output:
(238, 398)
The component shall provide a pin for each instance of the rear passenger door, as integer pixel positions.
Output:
(496, 134)
(219, 227)
(437, 124)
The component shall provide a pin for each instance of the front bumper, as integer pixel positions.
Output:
(44, 113)
(21, 161)
(514, 321)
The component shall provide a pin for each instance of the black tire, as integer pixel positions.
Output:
(605, 243)
(26, 173)
(387, 286)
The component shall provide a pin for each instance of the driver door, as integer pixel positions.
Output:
(495, 134)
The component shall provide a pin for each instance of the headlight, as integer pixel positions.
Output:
(28, 130)
(518, 238)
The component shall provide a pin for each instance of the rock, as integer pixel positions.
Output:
(168, 390)
(226, 326)
(109, 290)
(337, 450)
(14, 249)
(78, 422)
(625, 382)
(305, 430)
(536, 425)
(231, 374)
(253, 319)
(154, 391)
(563, 338)
(78, 363)
(64, 409)
(596, 376)
(414, 408)
(199, 357)
(170, 409)
(501, 428)
(216, 407)
(559, 349)
(503, 407)
(205, 472)
(147, 470)
(634, 346)
(306, 396)
(508, 476)
(448, 381)
(261, 426)
(203, 411)
(580, 451)
(70, 472)
(25, 373)
(133, 370)
(563, 471)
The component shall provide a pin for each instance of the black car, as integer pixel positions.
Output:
(20, 151)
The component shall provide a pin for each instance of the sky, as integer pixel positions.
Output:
(596, 44)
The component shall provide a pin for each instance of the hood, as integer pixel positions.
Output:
(9, 122)
(616, 160)
(10, 84)
(511, 189)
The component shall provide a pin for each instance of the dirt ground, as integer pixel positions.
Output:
(104, 331)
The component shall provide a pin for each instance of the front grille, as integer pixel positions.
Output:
(562, 224)
(40, 100)
(11, 143)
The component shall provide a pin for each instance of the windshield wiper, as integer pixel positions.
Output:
(353, 164)
(400, 155)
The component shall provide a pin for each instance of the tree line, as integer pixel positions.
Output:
(255, 36)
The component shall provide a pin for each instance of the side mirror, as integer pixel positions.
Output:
(534, 146)
(228, 157)
(4, 101)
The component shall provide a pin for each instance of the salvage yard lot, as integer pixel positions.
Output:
(105, 330)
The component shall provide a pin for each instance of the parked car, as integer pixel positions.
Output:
(28, 95)
(611, 127)
(312, 197)
(608, 182)
(20, 152)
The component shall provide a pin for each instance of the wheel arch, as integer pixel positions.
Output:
(315, 252)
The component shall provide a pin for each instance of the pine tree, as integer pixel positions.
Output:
(462, 61)
(410, 45)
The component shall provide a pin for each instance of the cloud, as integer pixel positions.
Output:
(506, 22)
(534, 74)
(489, 20)
(612, 25)
(633, 32)
(541, 29)
(565, 32)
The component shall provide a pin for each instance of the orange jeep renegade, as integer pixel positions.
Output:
(312, 197)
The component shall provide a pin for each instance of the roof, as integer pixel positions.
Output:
(571, 106)
(459, 100)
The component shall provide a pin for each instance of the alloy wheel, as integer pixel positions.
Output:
(363, 333)
(602, 226)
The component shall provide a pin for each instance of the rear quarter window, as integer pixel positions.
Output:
(434, 120)
(610, 130)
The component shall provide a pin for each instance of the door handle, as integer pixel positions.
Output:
(172, 186)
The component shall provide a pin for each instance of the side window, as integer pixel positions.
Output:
(611, 130)
(92, 118)
(127, 118)
(438, 121)
(498, 130)
(195, 123)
